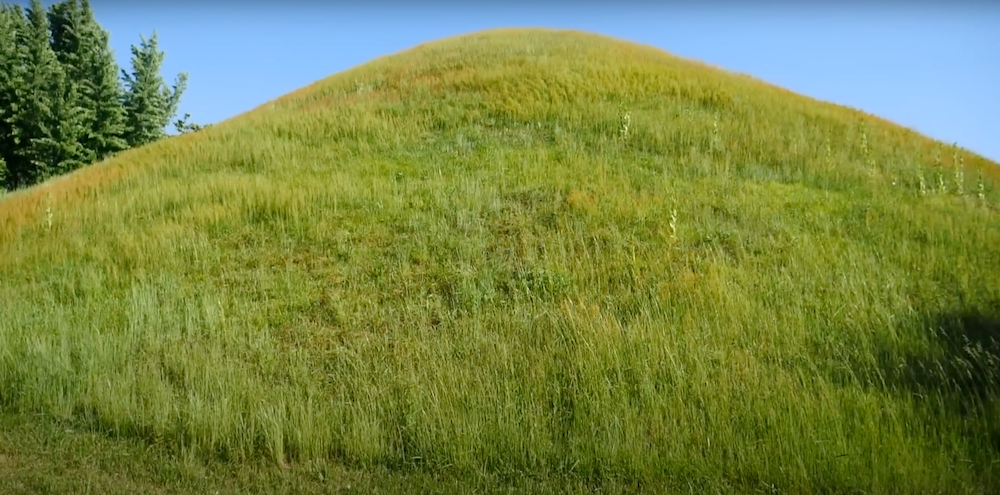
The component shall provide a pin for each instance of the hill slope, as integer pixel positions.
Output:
(526, 252)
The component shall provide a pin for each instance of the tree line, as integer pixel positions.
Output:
(64, 102)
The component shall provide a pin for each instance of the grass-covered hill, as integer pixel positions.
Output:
(524, 254)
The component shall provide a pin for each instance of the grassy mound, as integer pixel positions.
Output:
(526, 252)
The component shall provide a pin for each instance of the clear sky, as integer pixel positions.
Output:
(933, 66)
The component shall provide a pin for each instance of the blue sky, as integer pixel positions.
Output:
(931, 66)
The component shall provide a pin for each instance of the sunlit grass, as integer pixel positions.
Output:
(525, 252)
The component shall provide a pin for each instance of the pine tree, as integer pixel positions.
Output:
(47, 123)
(12, 26)
(3, 175)
(183, 126)
(109, 123)
(82, 47)
(68, 31)
(65, 141)
(65, 24)
(149, 104)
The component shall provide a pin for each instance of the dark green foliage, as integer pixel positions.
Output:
(62, 104)
(12, 24)
(149, 103)
(183, 126)
(46, 124)
(67, 131)
(82, 46)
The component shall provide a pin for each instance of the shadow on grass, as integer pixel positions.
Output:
(955, 379)
(963, 361)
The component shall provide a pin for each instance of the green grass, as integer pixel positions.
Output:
(450, 269)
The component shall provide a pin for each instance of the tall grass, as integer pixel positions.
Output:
(524, 252)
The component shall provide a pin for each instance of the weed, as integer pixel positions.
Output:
(828, 148)
(716, 139)
(866, 150)
(939, 168)
(673, 224)
(959, 164)
(626, 123)
(48, 212)
(981, 188)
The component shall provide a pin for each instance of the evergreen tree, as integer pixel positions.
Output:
(62, 104)
(149, 103)
(68, 131)
(3, 175)
(108, 130)
(66, 24)
(47, 124)
(12, 26)
(82, 47)
(68, 31)
(183, 126)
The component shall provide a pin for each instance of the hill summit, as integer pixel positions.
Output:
(526, 251)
